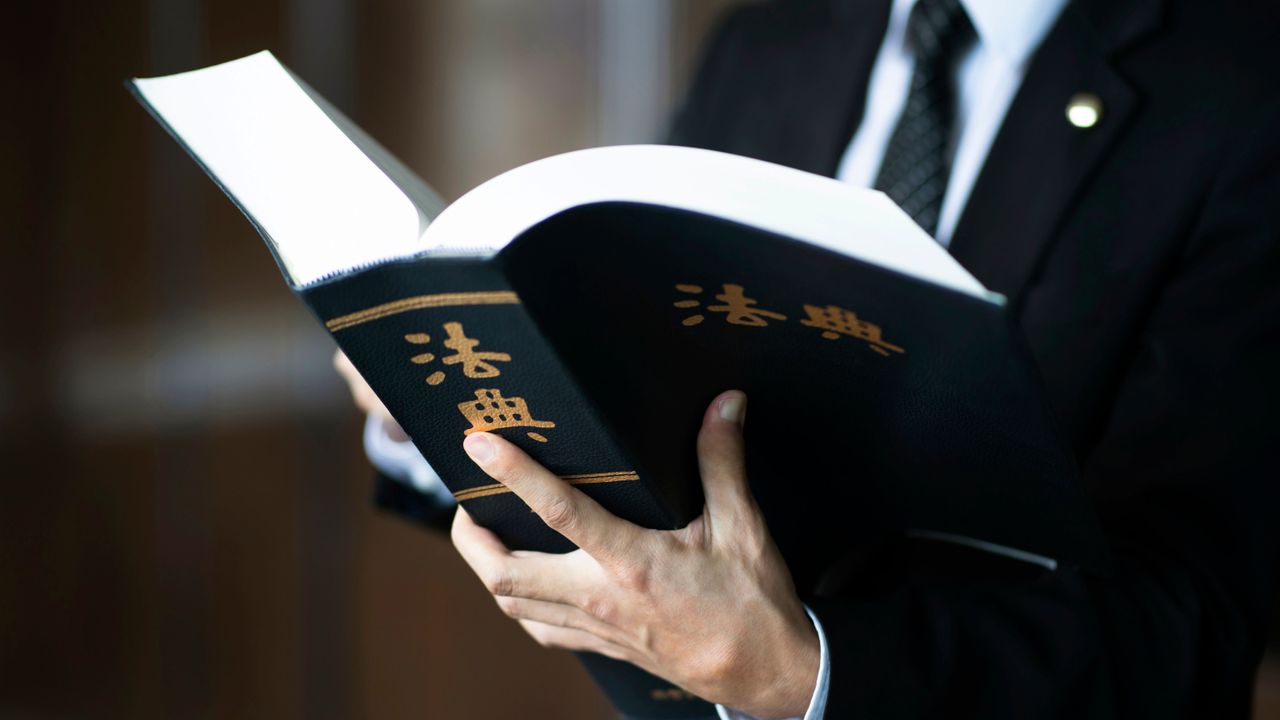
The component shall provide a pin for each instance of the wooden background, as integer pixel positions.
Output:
(185, 528)
(185, 525)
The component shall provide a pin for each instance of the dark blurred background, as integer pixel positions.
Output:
(185, 526)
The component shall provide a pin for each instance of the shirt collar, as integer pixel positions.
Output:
(1012, 29)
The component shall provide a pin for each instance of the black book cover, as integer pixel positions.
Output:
(879, 403)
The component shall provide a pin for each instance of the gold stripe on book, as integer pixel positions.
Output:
(419, 302)
(584, 479)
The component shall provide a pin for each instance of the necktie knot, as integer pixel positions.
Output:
(916, 165)
(937, 30)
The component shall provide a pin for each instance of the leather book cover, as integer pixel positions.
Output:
(879, 403)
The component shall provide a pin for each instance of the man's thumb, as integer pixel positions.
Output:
(721, 462)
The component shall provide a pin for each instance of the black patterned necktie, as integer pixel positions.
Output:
(916, 166)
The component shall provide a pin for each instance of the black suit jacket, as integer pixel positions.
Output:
(1142, 257)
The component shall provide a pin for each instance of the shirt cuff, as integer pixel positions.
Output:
(817, 703)
(401, 461)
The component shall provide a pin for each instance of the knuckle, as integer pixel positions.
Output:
(600, 608)
(570, 619)
(560, 514)
(634, 576)
(499, 583)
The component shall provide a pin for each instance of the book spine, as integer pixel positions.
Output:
(448, 347)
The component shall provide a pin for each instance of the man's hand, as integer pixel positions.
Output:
(710, 607)
(365, 398)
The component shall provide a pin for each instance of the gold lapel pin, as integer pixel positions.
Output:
(1084, 110)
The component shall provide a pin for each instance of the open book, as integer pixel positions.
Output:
(589, 305)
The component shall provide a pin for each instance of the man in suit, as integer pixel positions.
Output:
(1113, 168)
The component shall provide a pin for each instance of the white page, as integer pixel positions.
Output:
(323, 203)
(854, 221)
(327, 207)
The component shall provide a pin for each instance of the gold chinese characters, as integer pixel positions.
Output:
(489, 410)
(832, 320)
(836, 321)
(737, 307)
(474, 364)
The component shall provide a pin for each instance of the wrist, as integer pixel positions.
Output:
(806, 660)
(793, 674)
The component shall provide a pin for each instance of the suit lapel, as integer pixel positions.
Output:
(1038, 157)
(820, 85)
(864, 26)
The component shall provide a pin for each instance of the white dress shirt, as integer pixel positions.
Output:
(989, 75)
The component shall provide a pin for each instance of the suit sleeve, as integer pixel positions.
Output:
(405, 483)
(1185, 481)
(406, 501)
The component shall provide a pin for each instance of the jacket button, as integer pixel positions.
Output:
(1084, 110)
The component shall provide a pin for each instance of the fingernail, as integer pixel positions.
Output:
(479, 448)
(733, 407)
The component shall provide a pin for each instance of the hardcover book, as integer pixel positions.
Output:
(589, 305)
